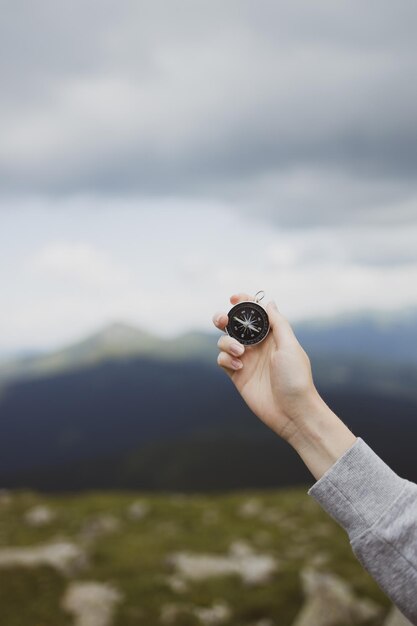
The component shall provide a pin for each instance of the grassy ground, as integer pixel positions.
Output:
(286, 524)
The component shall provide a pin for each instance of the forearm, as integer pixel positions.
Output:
(376, 507)
(319, 436)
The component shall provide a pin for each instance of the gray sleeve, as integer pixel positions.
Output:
(378, 510)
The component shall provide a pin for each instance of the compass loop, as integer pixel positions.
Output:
(259, 295)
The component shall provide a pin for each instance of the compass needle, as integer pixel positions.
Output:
(248, 322)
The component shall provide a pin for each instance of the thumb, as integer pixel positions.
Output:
(280, 326)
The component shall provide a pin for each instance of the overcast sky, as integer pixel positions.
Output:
(157, 156)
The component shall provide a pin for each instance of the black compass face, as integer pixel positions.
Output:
(248, 323)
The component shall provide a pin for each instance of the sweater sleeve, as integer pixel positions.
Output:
(378, 510)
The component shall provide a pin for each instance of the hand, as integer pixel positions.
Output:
(274, 377)
(275, 380)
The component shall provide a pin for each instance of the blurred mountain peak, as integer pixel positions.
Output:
(118, 335)
(385, 336)
(119, 328)
(115, 341)
(377, 318)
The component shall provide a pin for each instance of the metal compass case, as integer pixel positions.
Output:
(248, 321)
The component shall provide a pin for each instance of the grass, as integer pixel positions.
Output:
(133, 558)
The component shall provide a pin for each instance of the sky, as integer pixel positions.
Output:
(156, 157)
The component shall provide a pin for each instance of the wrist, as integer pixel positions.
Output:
(319, 436)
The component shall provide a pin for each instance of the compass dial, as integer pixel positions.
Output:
(248, 323)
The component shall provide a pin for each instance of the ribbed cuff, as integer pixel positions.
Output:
(357, 489)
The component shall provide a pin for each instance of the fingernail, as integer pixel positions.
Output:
(236, 364)
(274, 305)
(236, 349)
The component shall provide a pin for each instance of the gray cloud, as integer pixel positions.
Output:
(305, 112)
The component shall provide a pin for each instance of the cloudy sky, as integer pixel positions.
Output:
(156, 157)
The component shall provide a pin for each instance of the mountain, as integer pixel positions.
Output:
(177, 425)
(107, 408)
(378, 337)
(118, 341)
(390, 337)
(123, 408)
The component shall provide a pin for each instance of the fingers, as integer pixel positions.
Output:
(229, 363)
(221, 319)
(230, 351)
(240, 297)
(280, 326)
(231, 346)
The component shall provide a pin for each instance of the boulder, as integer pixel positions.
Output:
(395, 618)
(65, 557)
(331, 602)
(39, 515)
(91, 603)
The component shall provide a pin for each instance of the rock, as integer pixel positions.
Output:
(39, 515)
(274, 516)
(138, 510)
(250, 508)
(218, 613)
(99, 526)
(252, 567)
(287, 524)
(319, 559)
(215, 614)
(177, 584)
(240, 549)
(67, 558)
(331, 602)
(91, 603)
(5, 497)
(395, 618)
(171, 612)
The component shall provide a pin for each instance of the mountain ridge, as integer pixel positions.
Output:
(390, 337)
(160, 411)
(115, 341)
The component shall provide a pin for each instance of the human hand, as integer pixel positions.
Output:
(273, 377)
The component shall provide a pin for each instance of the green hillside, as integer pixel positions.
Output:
(118, 341)
(367, 350)
(150, 557)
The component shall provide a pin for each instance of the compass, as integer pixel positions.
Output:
(248, 321)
